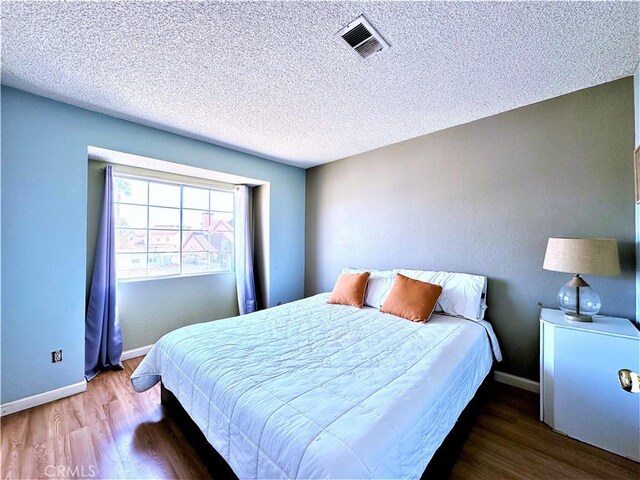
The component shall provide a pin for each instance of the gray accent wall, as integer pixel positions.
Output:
(483, 198)
(636, 107)
(636, 102)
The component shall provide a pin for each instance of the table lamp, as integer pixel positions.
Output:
(581, 256)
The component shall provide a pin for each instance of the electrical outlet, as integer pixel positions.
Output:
(56, 356)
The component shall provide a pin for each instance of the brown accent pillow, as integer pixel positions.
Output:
(411, 299)
(349, 289)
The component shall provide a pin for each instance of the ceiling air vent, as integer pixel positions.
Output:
(362, 38)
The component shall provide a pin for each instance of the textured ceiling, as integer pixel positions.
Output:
(271, 78)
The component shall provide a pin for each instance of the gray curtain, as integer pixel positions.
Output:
(103, 339)
(244, 251)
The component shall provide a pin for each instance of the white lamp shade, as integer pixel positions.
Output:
(587, 256)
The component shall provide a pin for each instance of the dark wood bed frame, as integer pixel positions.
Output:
(438, 468)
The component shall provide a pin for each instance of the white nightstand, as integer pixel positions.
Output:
(579, 391)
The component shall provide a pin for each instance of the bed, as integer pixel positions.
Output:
(314, 390)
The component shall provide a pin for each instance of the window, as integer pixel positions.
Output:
(169, 229)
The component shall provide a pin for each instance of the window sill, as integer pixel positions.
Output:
(169, 277)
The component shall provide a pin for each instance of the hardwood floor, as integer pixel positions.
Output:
(112, 432)
(509, 442)
(109, 431)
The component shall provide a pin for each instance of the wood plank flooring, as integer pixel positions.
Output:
(112, 432)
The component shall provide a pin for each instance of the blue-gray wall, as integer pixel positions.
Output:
(44, 227)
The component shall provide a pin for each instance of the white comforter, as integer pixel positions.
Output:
(311, 390)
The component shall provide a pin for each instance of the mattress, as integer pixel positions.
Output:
(312, 390)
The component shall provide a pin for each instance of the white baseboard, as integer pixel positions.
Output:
(41, 398)
(46, 397)
(135, 352)
(515, 381)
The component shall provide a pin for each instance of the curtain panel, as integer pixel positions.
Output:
(103, 338)
(244, 251)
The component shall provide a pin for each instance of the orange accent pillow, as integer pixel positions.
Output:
(349, 289)
(411, 299)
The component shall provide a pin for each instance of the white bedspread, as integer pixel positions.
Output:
(311, 390)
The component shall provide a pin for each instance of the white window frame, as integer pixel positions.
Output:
(204, 186)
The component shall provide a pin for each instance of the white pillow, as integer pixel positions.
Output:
(463, 294)
(378, 286)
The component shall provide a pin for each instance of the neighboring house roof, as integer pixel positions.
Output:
(198, 242)
(223, 232)
(212, 240)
